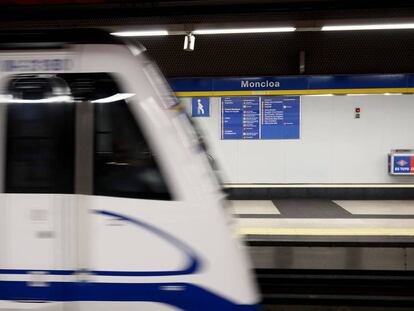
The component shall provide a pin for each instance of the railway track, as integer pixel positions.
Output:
(334, 287)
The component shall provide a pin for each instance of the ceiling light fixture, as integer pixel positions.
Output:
(242, 30)
(140, 33)
(368, 27)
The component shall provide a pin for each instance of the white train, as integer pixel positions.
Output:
(107, 199)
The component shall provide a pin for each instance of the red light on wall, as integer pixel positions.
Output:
(357, 110)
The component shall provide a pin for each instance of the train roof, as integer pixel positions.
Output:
(54, 38)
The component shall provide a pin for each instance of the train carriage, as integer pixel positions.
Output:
(107, 199)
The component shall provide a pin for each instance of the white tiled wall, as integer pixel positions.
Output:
(334, 146)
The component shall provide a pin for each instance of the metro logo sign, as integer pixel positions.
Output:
(403, 164)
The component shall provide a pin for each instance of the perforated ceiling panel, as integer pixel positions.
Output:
(360, 52)
(225, 55)
(278, 54)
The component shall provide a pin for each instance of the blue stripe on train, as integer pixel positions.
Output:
(193, 261)
(50, 272)
(185, 296)
(181, 295)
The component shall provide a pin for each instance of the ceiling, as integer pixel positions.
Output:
(87, 13)
(240, 55)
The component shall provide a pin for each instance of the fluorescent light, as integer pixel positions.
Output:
(368, 27)
(113, 98)
(140, 33)
(242, 30)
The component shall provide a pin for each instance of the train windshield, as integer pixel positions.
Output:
(74, 133)
(193, 132)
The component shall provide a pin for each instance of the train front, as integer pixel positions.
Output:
(108, 200)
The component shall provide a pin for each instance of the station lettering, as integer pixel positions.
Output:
(260, 84)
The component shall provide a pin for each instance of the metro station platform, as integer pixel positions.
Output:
(325, 217)
(324, 234)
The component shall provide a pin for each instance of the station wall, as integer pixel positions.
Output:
(334, 147)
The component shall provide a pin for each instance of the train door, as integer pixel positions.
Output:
(134, 220)
(38, 136)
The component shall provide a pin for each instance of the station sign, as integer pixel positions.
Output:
(240, 117)
(294, 85)
(260, 117)
(280, 117)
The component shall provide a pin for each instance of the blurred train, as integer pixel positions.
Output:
(107, 198)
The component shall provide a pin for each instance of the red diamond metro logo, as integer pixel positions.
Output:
(402, 163)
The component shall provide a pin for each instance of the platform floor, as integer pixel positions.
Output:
(325, 218)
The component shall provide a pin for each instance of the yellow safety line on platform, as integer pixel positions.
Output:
(329, 231)
(296, 92)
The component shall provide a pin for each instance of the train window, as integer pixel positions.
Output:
(124, 163)
(39, 139)
(46, 113)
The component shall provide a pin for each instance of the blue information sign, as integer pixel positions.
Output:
(254, 117)
(200, 107)
(280, 117)
(240, 117)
